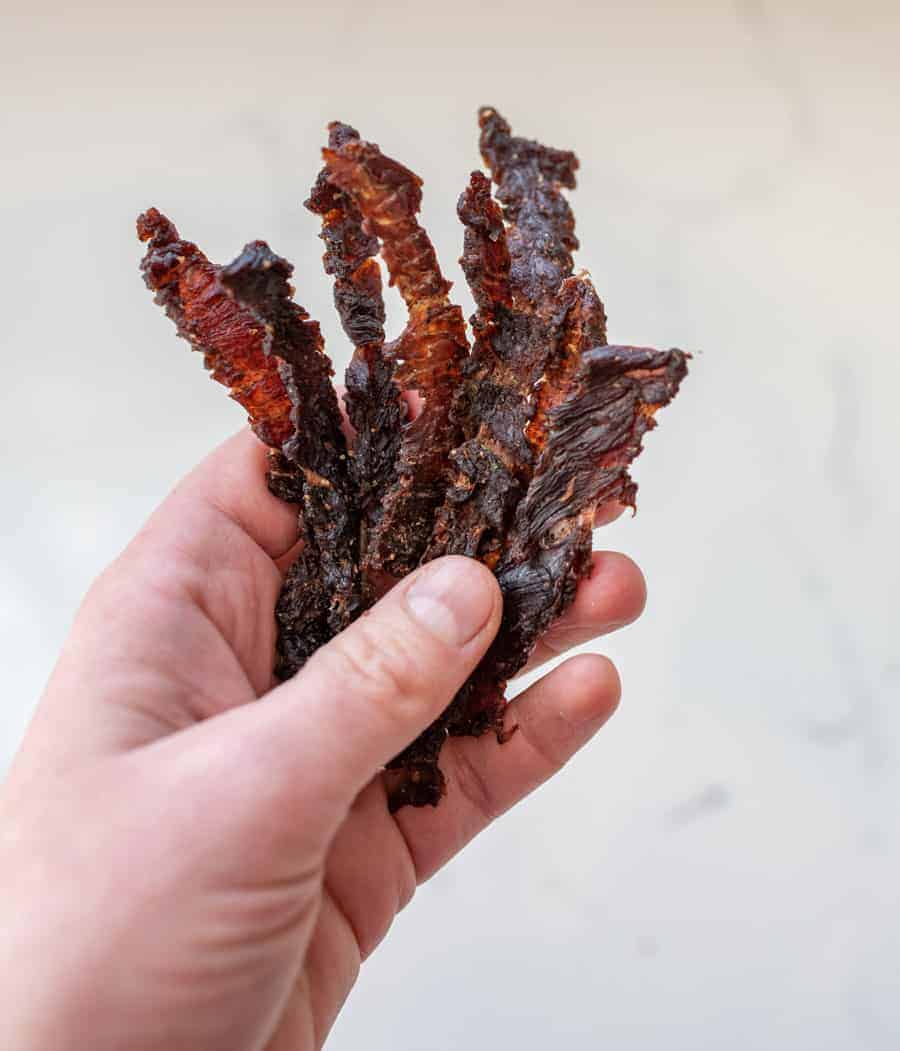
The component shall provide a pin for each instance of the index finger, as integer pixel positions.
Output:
(232, 481)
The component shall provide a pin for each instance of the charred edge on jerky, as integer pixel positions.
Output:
(427, 355)
(259, 281)
(537, 573)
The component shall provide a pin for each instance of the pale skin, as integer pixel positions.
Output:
(184, 870)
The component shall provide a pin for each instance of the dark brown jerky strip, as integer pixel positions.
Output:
(515, 274)
(524, 325)
(374, 405)
(542, 562)
(238, 348)
(428, 354)
(546, 409)
(541, 234)
(327, 571)
(594, 433)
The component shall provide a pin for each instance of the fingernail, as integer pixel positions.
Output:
(452, 599)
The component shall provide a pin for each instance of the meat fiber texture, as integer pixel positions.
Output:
(521, 438)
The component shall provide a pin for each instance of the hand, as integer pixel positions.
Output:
(184, 869)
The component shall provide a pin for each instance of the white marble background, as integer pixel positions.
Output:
(721, 868)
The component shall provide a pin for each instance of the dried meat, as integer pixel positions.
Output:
(259, 281)
(427, 355)
(519, 443)
(514, 269)
(264, 348)
(231, 340)
(551, 416)
(375, 407)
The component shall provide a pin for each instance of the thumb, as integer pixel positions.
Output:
(293, 763)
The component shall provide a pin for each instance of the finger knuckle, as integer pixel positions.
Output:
(473, 785)
(386, 669)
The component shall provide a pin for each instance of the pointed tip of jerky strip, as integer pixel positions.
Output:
(156, 228)
(257, 274)
(477, 208)
(499, 148)
(339, 133)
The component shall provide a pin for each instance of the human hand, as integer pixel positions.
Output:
(183, 869)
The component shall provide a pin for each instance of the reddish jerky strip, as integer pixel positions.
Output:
(427, 355)
(258, 281)
(249, 354)
(374, 405)
(487, 466)
(327, 571)
(594, 434)
(233, 343)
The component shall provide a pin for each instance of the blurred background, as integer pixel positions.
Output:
(721, 868)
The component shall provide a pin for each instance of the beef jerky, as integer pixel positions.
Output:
(544, 556)
(552, 419)
(427, 355)
(259, 280)
(541, 234)
(269, 354)
(232, 341)
(515, 272)
(594, 433)
(488, 406)
(374, 404)
(519, 445)
(532, 316)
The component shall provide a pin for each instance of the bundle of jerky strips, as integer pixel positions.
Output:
(521, 439)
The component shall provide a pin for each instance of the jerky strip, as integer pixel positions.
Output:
(515, 274)
(544, 556)
(533, 320)
(427, 355)
(485, 484)
(237, 348)
(530, 387)
(593, 435)
(541, 236)
(258, 280)
(374, 405)
(232, 341)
